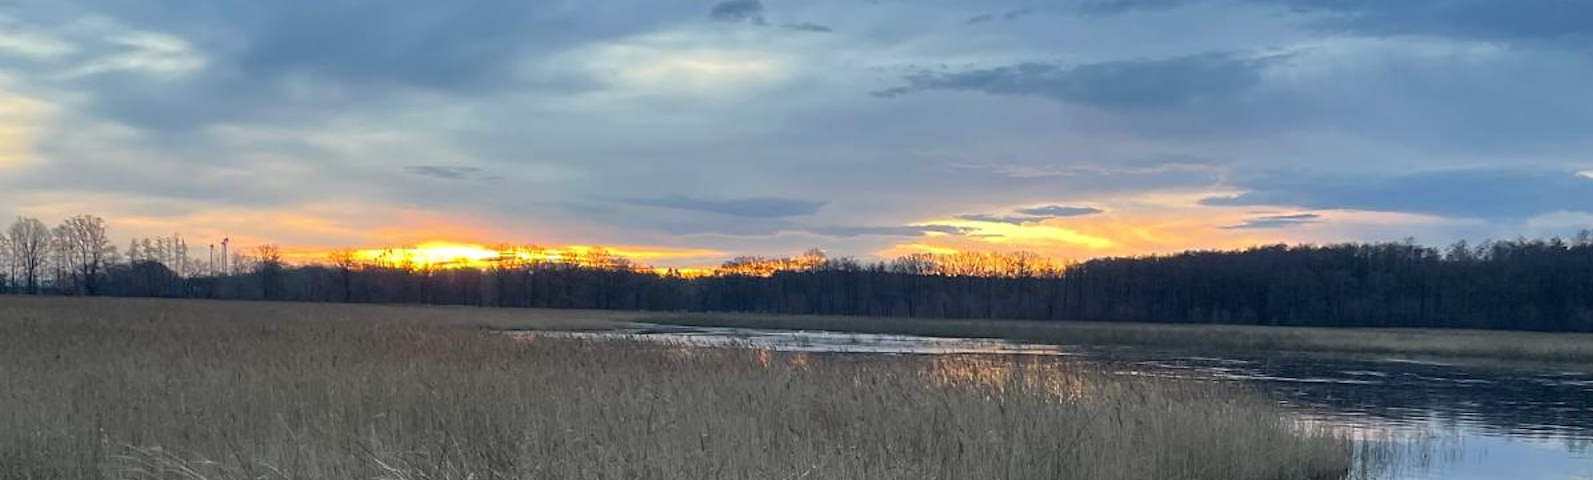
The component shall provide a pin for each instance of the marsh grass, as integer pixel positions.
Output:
(167, 390)
(1574, 348)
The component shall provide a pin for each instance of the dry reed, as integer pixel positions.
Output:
(158, 390)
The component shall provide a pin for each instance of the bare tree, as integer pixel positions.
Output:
(29, 243)
(269, 269)
(171, 252)
(8, 278)
(345, 262)
(85, 249)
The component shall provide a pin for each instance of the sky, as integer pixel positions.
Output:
(699, 130)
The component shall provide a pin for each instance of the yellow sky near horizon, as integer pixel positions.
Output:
(1138, 226)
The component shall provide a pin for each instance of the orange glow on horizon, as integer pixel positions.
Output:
(926, 248)
(449, 255)
(1128, 226)
(430, 255)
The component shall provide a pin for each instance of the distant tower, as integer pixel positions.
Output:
(226, 266)
(210, 266)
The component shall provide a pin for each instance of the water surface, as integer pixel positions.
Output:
(1458, 421)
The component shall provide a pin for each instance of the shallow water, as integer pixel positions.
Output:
(1450, 420)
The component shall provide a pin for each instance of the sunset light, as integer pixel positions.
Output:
(820, 239)
(449, 255)
(1002, 232)
(431, 255)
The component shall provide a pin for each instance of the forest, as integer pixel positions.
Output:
(1523, 284)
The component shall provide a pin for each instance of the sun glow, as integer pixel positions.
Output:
(1000, 232)
(430, 255)
(440, 255)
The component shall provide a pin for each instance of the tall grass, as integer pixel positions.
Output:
(1574, 348)
(112, 389)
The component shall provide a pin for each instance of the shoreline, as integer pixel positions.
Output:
(1461, 346)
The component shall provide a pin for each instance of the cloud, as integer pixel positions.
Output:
(443, 171)
(1012, 219)
(750, 11)
(1059, 211)
(1561, 221)
(1016, 14)
(1483, 19)
(415, 43)
(1128, 84)
(1110, 7)
(741, 227)
(1031, 214)
(1475, 19)
(807, 27)
(1275, 221)
(145, 52)
(980, 18)
(1008, 15)
(895, 231)
(620, 98)
(755, 207)
(1489, 193)
(31, 45)
(168, 67)
(1153, 165)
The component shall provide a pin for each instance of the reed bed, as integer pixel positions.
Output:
(159, 390)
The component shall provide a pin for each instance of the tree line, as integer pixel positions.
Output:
(1542, 284)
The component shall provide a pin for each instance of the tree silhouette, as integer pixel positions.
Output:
(28, 246)
(84, 250)
(1516, 284)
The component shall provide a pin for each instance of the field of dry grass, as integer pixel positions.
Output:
(1575, 348)
(152, 389)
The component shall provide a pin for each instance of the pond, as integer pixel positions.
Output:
(1454, 421)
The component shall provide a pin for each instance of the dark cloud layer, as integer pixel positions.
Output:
(422, 43)
(751, 11)
(808, 27)
(1130, 84)
(1275, 221)
(1012, 219)
(1481, 19)
(1059, 211)
(755, 207)
(1501, 194)
(1008, 15)
(291, 60)
(1109, 7)
(1032, 214)
(1516, 19)
(737, 11)
(442, 171)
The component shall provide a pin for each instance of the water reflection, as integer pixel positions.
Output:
(814, 341)
(1055, 380)
(1426, 420)
(1499, 401)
